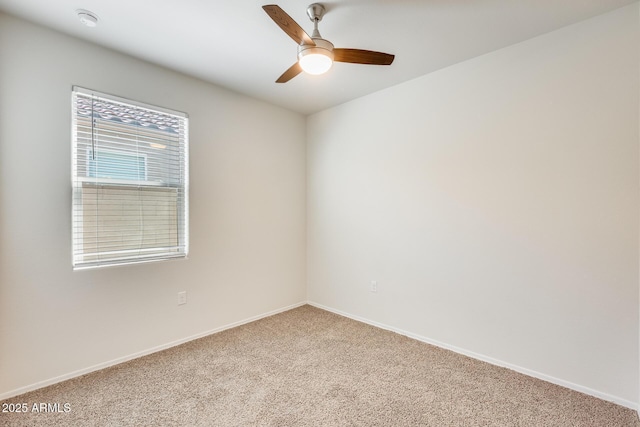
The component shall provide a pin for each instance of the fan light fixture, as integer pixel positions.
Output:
(316, 59)
(315, 63)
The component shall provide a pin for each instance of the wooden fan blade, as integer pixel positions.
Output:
(287, 24)
(359, 56)
(293, 71)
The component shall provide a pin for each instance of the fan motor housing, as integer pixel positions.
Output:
(325, 45)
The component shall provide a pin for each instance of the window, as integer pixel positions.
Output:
(130, 181)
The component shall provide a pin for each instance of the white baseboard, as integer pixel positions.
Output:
(74, 374)
(491, 360)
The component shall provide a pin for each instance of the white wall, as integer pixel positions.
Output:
(496, 203)
(247, 214)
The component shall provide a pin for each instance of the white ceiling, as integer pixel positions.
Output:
(233, 43)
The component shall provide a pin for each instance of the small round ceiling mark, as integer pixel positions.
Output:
(87, 17)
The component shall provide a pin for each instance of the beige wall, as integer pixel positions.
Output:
(496, 204)
(247, 214)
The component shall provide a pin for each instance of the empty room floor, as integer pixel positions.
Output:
(309, 367)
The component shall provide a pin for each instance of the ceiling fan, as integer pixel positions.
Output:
(315, 54)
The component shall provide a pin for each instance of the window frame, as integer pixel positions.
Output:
(79, 183)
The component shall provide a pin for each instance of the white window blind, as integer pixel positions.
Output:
(130, 181)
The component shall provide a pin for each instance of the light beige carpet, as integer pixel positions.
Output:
(308, 367)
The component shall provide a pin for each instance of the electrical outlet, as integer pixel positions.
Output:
(182, 297)
(373, 286)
